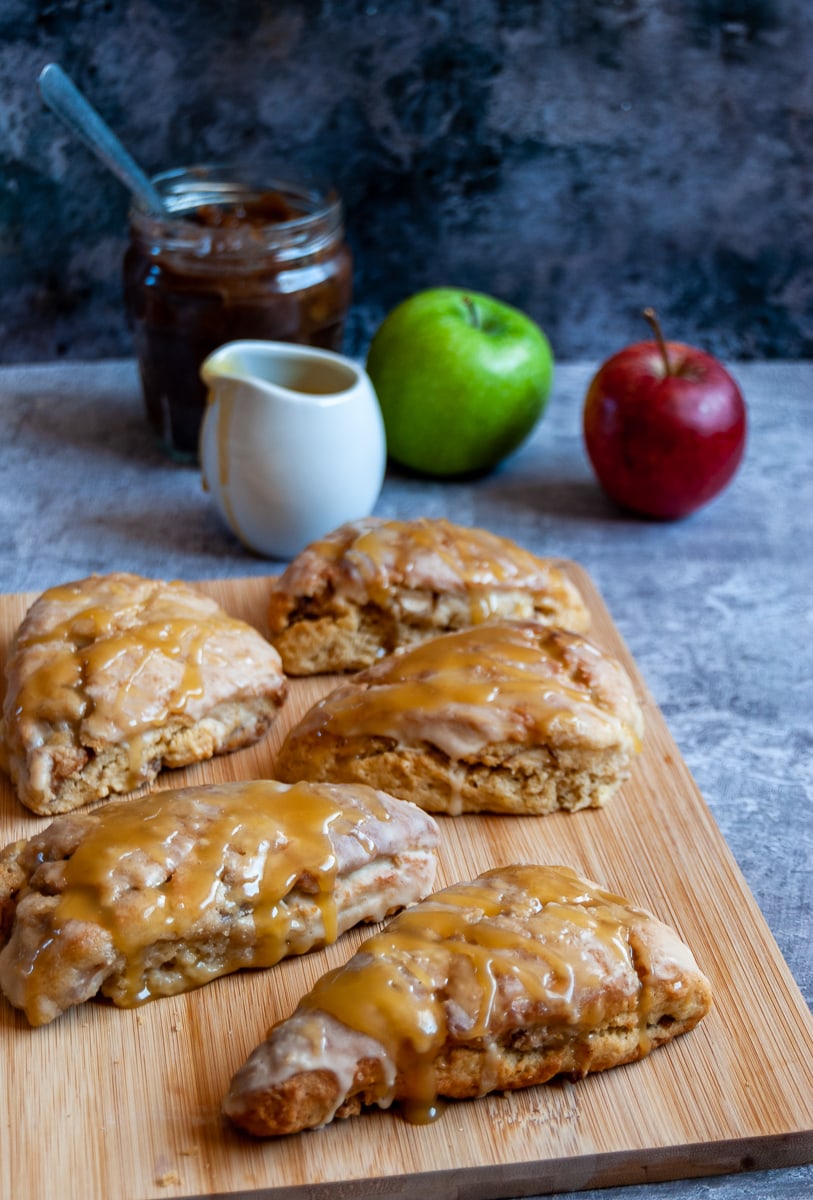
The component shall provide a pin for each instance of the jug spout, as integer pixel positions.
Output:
(304, 370)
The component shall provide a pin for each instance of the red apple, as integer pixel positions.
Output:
(664, 427)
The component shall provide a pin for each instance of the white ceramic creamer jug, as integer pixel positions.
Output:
(292, 443)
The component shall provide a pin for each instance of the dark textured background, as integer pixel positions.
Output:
(579, 158)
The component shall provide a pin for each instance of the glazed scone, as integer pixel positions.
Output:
(375, 585)
(504, 982)
(505, 717)
(111, 678)
(154, 896)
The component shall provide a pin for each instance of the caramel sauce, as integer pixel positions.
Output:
(267, 208)
(225, 415)
(262, 836)
(477, 960)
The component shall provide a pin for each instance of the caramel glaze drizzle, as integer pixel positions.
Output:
(259, 839)
(391, 552)
(513, 678)
(42, 694)
(479, 960)
(99, 676)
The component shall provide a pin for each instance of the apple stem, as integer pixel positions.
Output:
(474, 316)
(651, 317)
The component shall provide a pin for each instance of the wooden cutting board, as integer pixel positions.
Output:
(111, 1104)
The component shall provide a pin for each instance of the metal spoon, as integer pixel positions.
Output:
(61, 95)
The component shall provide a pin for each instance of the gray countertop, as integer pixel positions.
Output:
(716, 609)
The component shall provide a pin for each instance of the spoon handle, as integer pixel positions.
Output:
(64, 98)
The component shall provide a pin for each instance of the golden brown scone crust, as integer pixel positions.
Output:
(113, 677)
(500, 983)
(154, 896)
(507, 717)
(375, 585)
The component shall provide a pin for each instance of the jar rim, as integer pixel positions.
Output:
(188, 188)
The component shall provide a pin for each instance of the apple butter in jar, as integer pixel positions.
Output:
(238, 255)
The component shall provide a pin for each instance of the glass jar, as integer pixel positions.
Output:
(242, 255)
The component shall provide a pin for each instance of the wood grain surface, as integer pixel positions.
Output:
(124, 1104)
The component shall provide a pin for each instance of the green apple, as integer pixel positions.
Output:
(461, 378)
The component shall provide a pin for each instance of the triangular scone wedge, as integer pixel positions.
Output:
(113, 677)
(155, 896)
(375, 585)
(506, 717)
(525, 973)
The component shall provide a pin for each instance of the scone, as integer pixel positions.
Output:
(113, 677)
(505, 717)
(522, 974)
(154, 896)
(375, 585)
